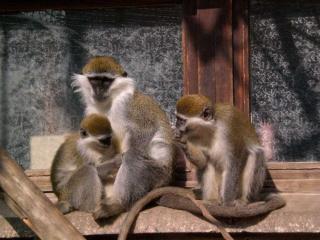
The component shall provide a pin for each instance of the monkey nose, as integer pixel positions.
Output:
(106, 141)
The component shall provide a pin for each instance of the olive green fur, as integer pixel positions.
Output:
(103, 64)
(192, 105)
(68, 150)
(96, 124)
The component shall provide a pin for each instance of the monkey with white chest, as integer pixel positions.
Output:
(221, 142)
(147, 145)
(85, 165)
(138, 122)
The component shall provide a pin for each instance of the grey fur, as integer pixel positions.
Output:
(144, 132)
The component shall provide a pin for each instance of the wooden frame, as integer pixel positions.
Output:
(215, 51)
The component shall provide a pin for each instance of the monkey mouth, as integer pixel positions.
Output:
(100, 98)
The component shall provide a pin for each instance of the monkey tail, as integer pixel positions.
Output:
(174, 191)
(269, 203)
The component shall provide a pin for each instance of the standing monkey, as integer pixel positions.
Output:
(81, 162)
(138, 122)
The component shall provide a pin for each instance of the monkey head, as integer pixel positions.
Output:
(194, 118)
(100, 77)
(95, 132)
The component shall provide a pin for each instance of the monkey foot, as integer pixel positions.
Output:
(64, 207)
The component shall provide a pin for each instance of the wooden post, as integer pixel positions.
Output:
(29, 203)
(207, 49)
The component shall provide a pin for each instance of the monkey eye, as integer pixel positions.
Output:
(83, 133)
(180, 121)
(207, 114)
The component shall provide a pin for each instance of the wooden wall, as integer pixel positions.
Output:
(215, 45)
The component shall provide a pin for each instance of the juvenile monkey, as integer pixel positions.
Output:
(222, 143)
(84, 165)
(138, 122)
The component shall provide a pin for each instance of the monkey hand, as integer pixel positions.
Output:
(108, 169)
(180, 143)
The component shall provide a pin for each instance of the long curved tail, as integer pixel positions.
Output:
(180, 193)
(269, 203)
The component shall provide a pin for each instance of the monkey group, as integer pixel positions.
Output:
(125, 148)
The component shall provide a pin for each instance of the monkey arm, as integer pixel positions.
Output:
(109, 168)
(195, 155)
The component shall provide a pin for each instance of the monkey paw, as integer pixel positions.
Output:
(64, 207)
(101, 212)
(239, 203)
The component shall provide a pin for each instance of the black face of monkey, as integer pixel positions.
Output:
(100, 86)
(180, 122)
(105, 140)
(180, 126)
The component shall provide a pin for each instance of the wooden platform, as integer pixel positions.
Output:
(299, 183)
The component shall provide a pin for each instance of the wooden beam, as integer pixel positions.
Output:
(207, 49)
(190, 48)
(241, 55)
(37, 5)
(29, 203)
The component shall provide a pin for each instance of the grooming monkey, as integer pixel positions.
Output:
(138, 122)
(85, 165)
(221, 142)
(146, 138)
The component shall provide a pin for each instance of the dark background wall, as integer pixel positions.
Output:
(285, 75)
(39, 51)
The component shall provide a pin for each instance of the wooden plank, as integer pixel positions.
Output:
(223, 54)
(189, 47)
(241, 55)
(37, 5)
(293, 185)
(301, 214)
(294, 165)
(295, 174)
(28, 202)
(206, 37)
(207, 49)
(185, 176)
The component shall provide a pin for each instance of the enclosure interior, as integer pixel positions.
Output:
(41, 50)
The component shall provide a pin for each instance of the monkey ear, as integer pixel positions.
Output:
(125, 74)
(207, 113)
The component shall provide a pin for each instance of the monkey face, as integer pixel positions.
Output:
(180, 126)
(100, 86)
(100, 141)
(198, 129)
